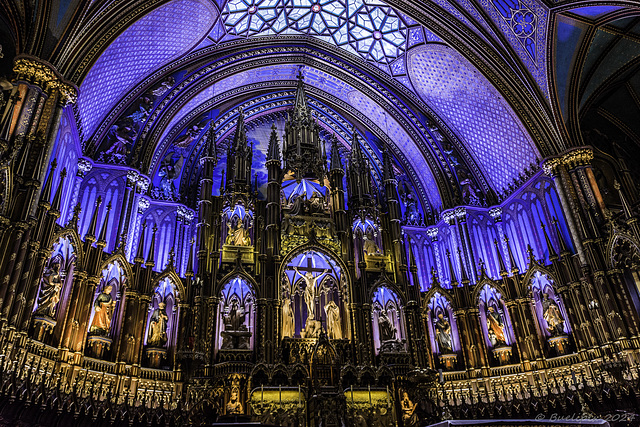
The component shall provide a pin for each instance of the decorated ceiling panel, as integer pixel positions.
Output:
(524, 23)
(155, 39)
(474, 110)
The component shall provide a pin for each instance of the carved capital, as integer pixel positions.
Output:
(551, 166)
(45, 76)
(581, 156)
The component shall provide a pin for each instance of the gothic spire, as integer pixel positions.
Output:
(512, 259)
(152, 250)
(452, 273)
(210, 148)
(552, 252)
(300, 106)
(55, 205)
(388, 163)
(336, 162)
(139, 259)
(273, 151)
(105, 222)
(91, 231)
(45, 196)
(503, 268)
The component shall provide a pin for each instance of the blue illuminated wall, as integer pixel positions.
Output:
(520, 219)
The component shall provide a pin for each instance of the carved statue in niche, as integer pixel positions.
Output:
(103, 305)
(495, 325)
(238, 236)
(50, 288)
(369, 245)
(235, 334)
(443, 334)
(158, 326)
(288, 326)
(385, 327)
(234, 407)
(334, 327)
(553, 317)
(409, 416)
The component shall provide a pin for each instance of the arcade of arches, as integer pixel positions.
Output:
(319, 212)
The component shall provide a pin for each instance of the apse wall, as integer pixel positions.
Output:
(519, 218)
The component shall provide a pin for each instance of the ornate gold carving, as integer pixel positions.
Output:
(578, 157)
(43, 75)
(551, 165)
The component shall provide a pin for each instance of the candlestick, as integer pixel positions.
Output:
(261, 394)
(369, 388)
(280, 394)
(352, 394)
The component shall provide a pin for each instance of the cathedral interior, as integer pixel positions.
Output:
(319, 212)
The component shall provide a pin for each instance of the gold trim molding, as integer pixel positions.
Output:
(44, 75)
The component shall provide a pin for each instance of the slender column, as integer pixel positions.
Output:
(432, 232)
(554, 168)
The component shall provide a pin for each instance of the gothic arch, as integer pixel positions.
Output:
(623, 251)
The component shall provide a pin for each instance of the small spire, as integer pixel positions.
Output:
(300, 107)
(171, 261)
(412, 258)
(73, 222)
(273, 151)
(625, 205)
(189, 272)
(45, 197)
(483, 271)
(5, 125)
(512, 259)
(530, 254)
(210, 149)
(139, 259)
(563, 244)
(105, 223)
(503, 268)
(152, 250)
(55, 206)
(452, 273)
(552, 252)
(435, 281)
(463, 271)
(91, 232)
(336, 162)
(356, 157)
(122, 242)
(388, 163)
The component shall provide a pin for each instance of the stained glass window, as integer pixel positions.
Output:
(368, 28)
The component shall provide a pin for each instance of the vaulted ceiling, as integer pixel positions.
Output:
(462, 91)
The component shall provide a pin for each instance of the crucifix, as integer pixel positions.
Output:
(310, 289)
